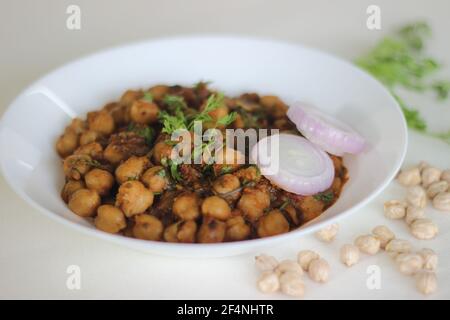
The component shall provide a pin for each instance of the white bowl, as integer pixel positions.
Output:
(38, 115)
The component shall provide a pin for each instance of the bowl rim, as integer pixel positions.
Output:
(259, 242)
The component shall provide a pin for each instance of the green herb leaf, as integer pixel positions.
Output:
(148, 133)
(148, 97)
(325, 197)
(227, 120)
(442, 88)
(175, 102)
(214, 101)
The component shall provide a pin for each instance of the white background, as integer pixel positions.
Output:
(35, 252)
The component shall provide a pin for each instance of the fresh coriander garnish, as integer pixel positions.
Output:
(161, 173)
(214, 101)
(173, 168)
(226, 169)
(227, 120)
(401, 61)
(285, 203)
(175, 102)
(148, 133)
(148, 97)
(325, 197)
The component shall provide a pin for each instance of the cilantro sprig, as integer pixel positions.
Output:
(400, 60)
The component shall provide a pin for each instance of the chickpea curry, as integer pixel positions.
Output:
(118, 173)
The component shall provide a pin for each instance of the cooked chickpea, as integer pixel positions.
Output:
(93, 149)
(130, 96)
(155, 179)
(147, 227)
(211, 231)
(274, 105)
(186, 206)
(101, 121)
(76, 166)
(311, 208)
(88, 137)
(159, 91)
(70, 187)
(144, 112)
(67, 143)
(272, 224)
(84, 202)
(216, 114)
(161, 150)
(237, 229)
(76, 125)
(131, 169)
(99, 180)
(110, 219)
(133, 198)
(216, 207)
(182, 231)
(253, 202)
(114, 154)
(226, 184)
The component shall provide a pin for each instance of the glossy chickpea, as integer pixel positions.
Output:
(311, 207)
(76, 125)
(99, 180)
(272, 224)
(253, 202)
(182, 231)
(88, 137)
(155, 179)
(84, 202)
(216, 207)
(76, 166)
(161, 150)
(226, 184)
(274, 105)
(186, 206)
(70, 187)
(144, 112)
(131, 169)
(93, 149)
(237, 229)
(147, 227)
(216, 114)
(67, 143)
(133, 198)
(114, 154)
(130, 96)
(110, 219)
(211, 231)
(159, 91)
(101, 121)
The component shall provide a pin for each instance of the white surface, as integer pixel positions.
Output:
(30, 163)
(35, 252)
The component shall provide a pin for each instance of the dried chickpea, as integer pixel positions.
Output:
(384, 234)
(410, 177)
(211, 231)
(436, 187)
(430, 259)
(144, 112)
(414, 213)
(291, 284)
(416, 196)
(395, 209)
(424, 229)
(133, 198)
(328, 233)
(99, 180)
(268, 282)
(181, 231)
(237, 229)
(84, 202)
(70, 187)
(430, 175)
(216, 207)
(442, 201)
(319, 270)
(147, 227)
(131, 169)
(264, 262)
(110, 219)
(305, 257)
(272, 224)
(445, 176)
(397, 246)
(289, 266)
(349, 255)
(409, 263)
(368, 244)
(155, 179)
(426, 282)
(186, 206)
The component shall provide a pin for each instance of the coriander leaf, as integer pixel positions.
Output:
(148, 133)
(214, 101)
(148, 97)
(227, 120)
(171, 123)
(174, 171)
(175, 102)
(325, 197)
(442, 88)
(413, 118)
